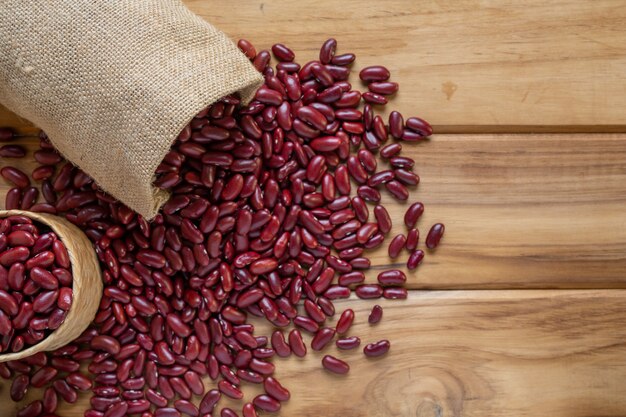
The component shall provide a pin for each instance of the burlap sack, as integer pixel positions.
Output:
(113, 82)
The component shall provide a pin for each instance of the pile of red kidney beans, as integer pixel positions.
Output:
(35, 283)
(274, 207)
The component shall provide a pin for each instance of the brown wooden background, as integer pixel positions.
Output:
(523, 310)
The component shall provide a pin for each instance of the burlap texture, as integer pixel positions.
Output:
(113, 82)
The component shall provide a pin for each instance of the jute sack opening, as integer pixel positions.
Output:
(86, 284)
(114, 82)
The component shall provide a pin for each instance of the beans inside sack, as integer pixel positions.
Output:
(274, 208)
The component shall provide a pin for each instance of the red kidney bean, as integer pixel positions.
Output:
(367, 291)
(13, 199)
(374, 73)
(327, 51)
(412, 239)
(230, 390)
(117, 410)
(228, 412)
(166, 412)
(376, 349)
(247, 48)
(372, 98)
(209, 401)
(312, 116)
(396, 245)
(296, 343)
(406, 177)
(375, 315)
(335, 365)
(383, 88)
(420, 126)
(49, 400)
(415, 259)
(66, 392)
(282, 53)
(397, 189)
(348, 343)
(345, 321)
(187, 408)
(12, 151)
(368, 193)
(33, 409)
(279, 344)
(266, 403)
(413, 213)
(395, 293)
(367, 160)
(15, 176)
(14, 255)
(19, 387)
(434, 235)
(105, 343)
(322, 338)
(392, 277)
(275, 389)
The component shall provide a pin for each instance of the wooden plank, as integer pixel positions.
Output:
(506, 66)
(467, 66)
(522, 211)
(470, 353)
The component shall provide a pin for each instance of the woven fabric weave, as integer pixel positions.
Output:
(113, 82)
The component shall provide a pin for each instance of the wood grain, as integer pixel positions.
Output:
(467, 353)
(468, 65)
(522, 211)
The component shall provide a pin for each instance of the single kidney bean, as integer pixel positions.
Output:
(209, 401)
(392, 277)
(375, 315)
(322, 338)
(247, 48)
(434, 235)
(335, 365)
(373, 98)
(412, 239)
(348, 343)
(413, 213)
(266, 403)
(396, 245)
(376, 349)
(296, 343)
(406, 177)
(166, 412)
(415, 259)
(419, 126)
(395, 293)
(283, 53)
(367, 291)
(275, 389)
(345, 321)
(398, 190)
(383, 88)
(15, 176)
(374, 73)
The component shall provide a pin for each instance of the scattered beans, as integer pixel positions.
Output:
(262, 217)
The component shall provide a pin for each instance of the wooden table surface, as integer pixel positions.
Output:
(522, 310)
